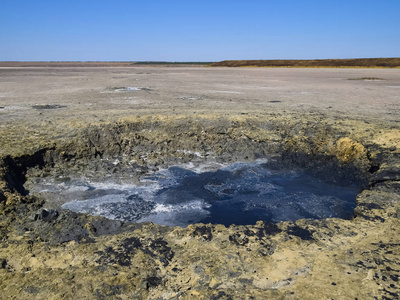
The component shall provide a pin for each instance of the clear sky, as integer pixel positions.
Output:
(206, 30)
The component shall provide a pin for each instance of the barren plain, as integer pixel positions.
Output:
(338, 122)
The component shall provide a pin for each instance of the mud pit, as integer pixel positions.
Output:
(240, 194)
(308, 119)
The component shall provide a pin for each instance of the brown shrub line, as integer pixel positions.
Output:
(335, 63)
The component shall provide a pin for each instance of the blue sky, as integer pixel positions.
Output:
(174, 30)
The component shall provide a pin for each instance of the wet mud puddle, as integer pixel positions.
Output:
(241, 193)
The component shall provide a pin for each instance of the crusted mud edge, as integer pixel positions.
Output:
(51, 254)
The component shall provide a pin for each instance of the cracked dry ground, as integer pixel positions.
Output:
(76, 120)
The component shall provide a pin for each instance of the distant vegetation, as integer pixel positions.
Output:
(335, 63)
(171, 63)
(313, 63)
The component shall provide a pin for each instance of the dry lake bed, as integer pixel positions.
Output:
(190, 182)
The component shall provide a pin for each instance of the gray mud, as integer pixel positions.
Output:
(241, 194)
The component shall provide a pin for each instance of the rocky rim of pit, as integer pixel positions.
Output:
(144, 260)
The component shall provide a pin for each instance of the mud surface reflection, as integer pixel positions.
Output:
(241, 193)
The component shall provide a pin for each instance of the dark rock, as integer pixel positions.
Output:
(268, 229)
(31, 290)
(131, 244)
(153, 281)
(386, 175)
(302, 233)
(108, 291)
(327, 168)
(112, 256)
(49, 106)
(16, 168)
(71, 228)
(47, 215)
(246, 280)
(373, 169)
(370, 218)
(106, 226)
(248, 232)
(176, 270)
(2, 197)
(268, 249)
(260, 154)
(161, 248)
(221, 296)
(3, 263)
(122, 254)
(370, 205)
(204, 232)
(238, 239)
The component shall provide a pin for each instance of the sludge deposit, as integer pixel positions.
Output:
(48, 251)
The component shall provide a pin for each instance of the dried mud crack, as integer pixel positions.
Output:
(49, 252)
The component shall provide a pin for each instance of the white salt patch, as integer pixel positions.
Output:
(198, 154)
(242, 165)
(190, 98)
(303, 93)
(178, 215)
(77, 188)
(228, 92)
(14, 107)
